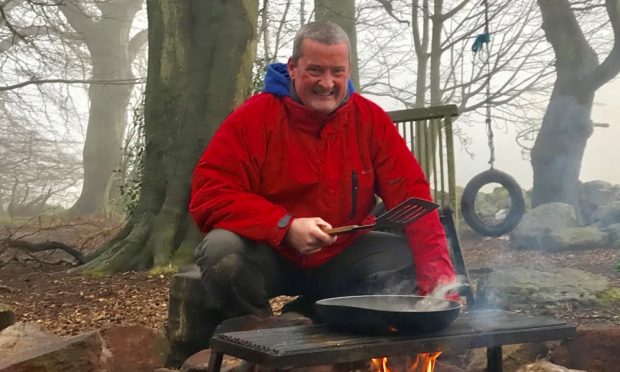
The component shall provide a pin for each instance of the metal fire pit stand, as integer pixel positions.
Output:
(290, 347)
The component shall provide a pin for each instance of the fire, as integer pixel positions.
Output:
(424, 362)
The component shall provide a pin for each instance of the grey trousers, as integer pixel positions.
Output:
(240, 276)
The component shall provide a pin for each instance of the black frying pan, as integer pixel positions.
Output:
(385, 314)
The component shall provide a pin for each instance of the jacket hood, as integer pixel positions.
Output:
(278, 81)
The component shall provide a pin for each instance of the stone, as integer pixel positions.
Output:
(513, 356)
(576, 238)
(607, 215)
(613, 233)
(23, 336)
(536, 225)
(199, 362)
(444, 367)
(544, 366)
(524, 353)
(511, 287)
(594, 195)
(134, 348)
(112, 348)
(73, 354)
(598, 349)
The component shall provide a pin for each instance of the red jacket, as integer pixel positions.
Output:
(272, 157)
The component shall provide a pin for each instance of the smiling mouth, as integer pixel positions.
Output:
(325, 95)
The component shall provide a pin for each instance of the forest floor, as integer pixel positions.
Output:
(68, 303)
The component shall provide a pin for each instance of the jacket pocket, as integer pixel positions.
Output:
(362, 192)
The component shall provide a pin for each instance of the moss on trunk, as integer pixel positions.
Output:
(196, 49)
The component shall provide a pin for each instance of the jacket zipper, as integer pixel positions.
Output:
(354, 188)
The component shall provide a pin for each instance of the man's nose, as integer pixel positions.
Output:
(326, 82)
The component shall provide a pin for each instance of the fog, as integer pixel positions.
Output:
(599, 162)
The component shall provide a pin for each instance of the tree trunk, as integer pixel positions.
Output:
(110, 48)
(342, 13)
(566, 127)
(437, 20)
(200, 60)
(106, 125)
(560, 145)
(420, 42)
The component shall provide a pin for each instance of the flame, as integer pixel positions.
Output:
(424, 362)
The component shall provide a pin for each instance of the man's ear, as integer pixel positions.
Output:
(291, 66)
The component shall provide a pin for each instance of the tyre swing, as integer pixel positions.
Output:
(492, 175)
(514, 214)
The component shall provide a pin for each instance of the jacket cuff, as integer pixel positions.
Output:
(280, 230)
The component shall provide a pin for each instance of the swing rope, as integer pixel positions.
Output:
(480, 41)
(491, 176)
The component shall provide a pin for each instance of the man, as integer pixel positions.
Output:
(306, 155)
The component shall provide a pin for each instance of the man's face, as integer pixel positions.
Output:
(321, 75)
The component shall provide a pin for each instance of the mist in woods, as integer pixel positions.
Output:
(75, 125)
(106, 106)
(597, 161)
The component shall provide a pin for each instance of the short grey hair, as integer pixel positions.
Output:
(324, 32)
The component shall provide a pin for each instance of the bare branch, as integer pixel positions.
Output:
(611, 65)
(9, 25)
(32, 247)
(387, 5)
(455, 10)
(8, 42)
(584, 5)
(7, 5)
(74, 81)
(76, 17)
(136, 43)
(278, 41)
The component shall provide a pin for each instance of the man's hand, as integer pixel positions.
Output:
(306, 235)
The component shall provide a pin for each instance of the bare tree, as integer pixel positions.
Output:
(271, 31)
(75, 42)
(33, 169)
(567, 125)
(38, 126)
(193, 83)
(441, 61)
(105, 28)
(342, 13)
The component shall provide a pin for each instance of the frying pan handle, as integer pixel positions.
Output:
(341, 230)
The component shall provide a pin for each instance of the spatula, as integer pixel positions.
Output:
(404, 213)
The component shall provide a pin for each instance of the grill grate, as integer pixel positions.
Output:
(314, 345)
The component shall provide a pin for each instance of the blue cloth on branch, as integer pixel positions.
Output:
(480, 39)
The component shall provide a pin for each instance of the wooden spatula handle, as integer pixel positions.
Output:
(341, 229)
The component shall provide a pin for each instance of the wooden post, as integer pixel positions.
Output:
(431, 130)
(7, 316)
